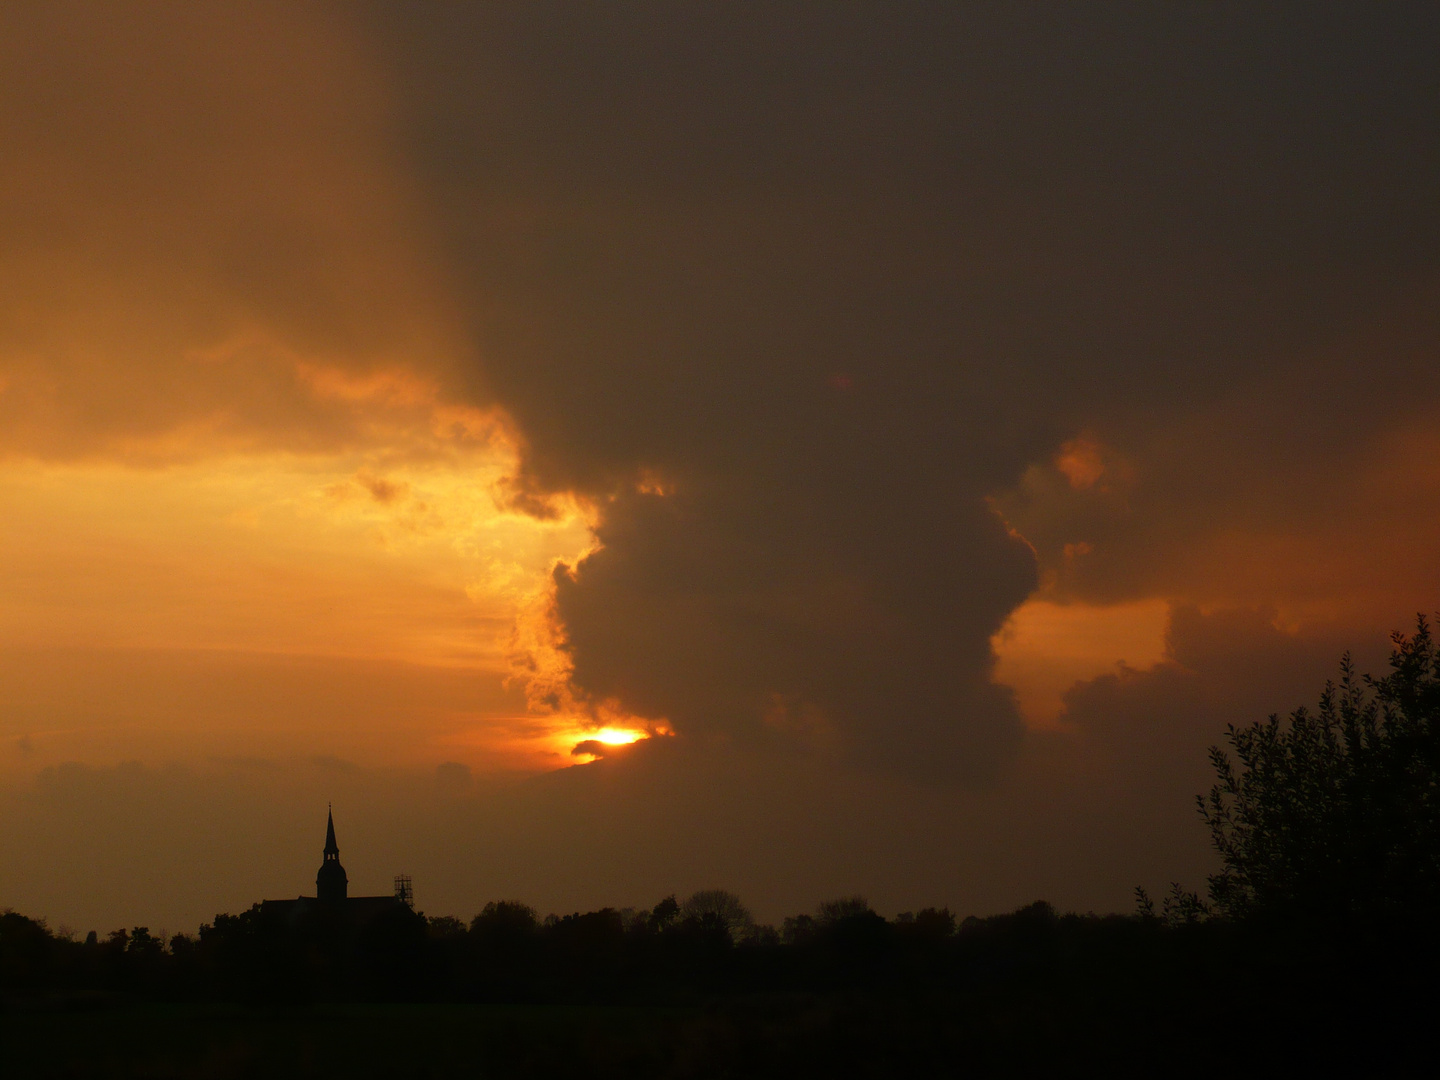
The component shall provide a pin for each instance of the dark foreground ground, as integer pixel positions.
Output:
(1032, 993)
(431, 1040)
(794, 1037)
(761, 1038)
(802, 1037)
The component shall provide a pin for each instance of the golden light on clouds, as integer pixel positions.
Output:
(1081, 462)
(391, 544)
(1044, 648)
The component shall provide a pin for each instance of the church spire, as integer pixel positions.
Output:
(331, 885)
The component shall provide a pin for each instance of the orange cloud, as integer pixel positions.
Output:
(1081, 462)
(1045, 648)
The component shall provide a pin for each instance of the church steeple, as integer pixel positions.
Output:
(331, 884)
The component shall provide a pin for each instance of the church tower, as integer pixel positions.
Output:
(331, 884)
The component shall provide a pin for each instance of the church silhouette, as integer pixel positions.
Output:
(332, 901)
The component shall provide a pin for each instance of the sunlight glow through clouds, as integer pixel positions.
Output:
(537, 742)
(390, 545)
(618, 736)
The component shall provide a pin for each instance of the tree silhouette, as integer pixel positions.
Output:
(721, 907)
(847, 907)
(1334, 816)
(664, 914)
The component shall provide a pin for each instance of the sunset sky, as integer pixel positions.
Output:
(610, 450)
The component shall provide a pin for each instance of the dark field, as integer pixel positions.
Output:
(798, 1037)
(431, 1040)
(1159, 1029)
(771, 1038)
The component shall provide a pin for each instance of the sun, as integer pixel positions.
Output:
(617, 736)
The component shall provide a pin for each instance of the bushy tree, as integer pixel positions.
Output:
(1335, 815)
(719, 907)
(505, 917)
(847, 907)
(664, 914)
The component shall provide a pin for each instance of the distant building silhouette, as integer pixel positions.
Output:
(332, 900)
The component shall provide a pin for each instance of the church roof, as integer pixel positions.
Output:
(356, 911)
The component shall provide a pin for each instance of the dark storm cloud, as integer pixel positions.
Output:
(1139, 740)
(1229, 667)
(833, 275)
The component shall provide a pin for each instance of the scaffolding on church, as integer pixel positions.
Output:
(404, 892)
